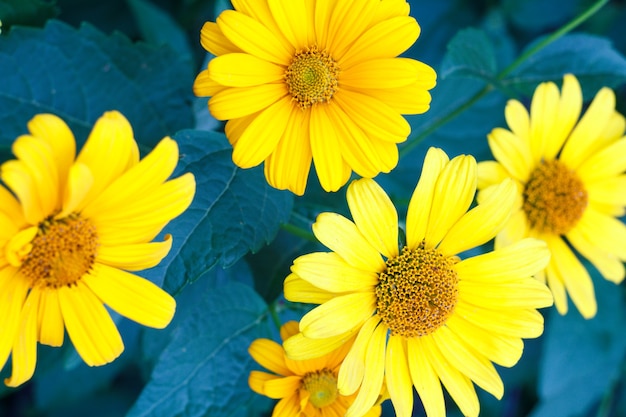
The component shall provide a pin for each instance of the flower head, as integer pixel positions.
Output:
(569, 174)
(301, 81)
(305, 388)
(422, 316)
(72, 226)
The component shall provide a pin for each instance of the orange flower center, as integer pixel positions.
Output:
(321, 386)
(62, 252)
(554, 198)
(312, 77)
(417, 291)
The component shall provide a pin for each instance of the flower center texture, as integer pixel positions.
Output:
(62, 252)
(321, 386)
(554, 198)
(312, 77)
(417, 291)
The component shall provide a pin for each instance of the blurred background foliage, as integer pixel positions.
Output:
(234, 246)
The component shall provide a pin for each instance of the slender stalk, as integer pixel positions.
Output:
(578, 20)
(273, 309)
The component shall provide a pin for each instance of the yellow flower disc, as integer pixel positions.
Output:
(417, 292)
(322, 387)
(312, 77)
(554, 198)
(62, 252)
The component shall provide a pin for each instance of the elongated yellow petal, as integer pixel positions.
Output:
(339, 315)
(483, 222)
(50, 321)
(380, 73)
(352, 369)
(425, 378)
(131, 296)
(512, 153)
(543, 115)
(418, 215)
(518, 119)
(325, 149)
(24, 352)
(291, 18)
(603, 164)
(79, 182)
(89, 325)
(520, 293)
(298, 290)
(11, 209)
(608, 264)
(398, 378)
(374, 374)
(374, 215)
(569, 108)
(282, 387)
(411, 99)
(490, 173)
(299, 347)
(269, 355)
(343, 237)
(287, 407)
(135, 257)
(330, 272)
(257, 379)
(213, 40)
(205, 86)
(345, 25)
(17, 177)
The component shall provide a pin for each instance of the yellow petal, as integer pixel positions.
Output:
(348, 21)
(244, 70)
(288, 329)
(16, 176)
(12, 210)
(337, 316)
(521, 259)
(325, 149)
(454, 192)
(604, 232)
(458, 385)
(19, 246)
(269, 355)
(608, 264)
(253, 37)
(299, 347)
(282, 387)
(374, 374)
(50, 320)
(131, 296)
(213, 40)
(604, 163)
(543, 115)
(483, 222)
(519, 293)
(386, 39)
(512, 153)
(468, 361)
(611, 190)
(425, 378)
(24, 352)
(89, 325)
(380, 73)
(257, 379)
(574, 276)
(374, 215)
(342, 236)
(398, 378)
(205, 86)
(298, 290)
(569, 108)
(352, 369)
(79, 182)
(287, 407)
(518, 120)
(291, 17)
(13, 290)
(516, 229)
(135, 257)
(418, 215)
(329, 272)
(557, 285)
(490, 173)
(411, 99)
(262, 135)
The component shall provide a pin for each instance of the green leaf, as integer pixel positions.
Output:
(26, 12)
(538, 15)
(592, 59)
(204, 369)
(582, 358)
(470, 54)
(234, 211)
(80, 74)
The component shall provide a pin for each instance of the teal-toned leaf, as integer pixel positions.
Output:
(26, 12)
(80, 74)
(582, 358)
(204, 369)
(234, 211)
(538, 15)
(159, 28)
(592, 59)
(470, 54)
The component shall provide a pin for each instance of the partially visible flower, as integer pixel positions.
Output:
(571, 185)
(71, 228)
(301, 81)
(422, 316)
(306, 388)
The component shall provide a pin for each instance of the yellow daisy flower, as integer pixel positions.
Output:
(306, 388)
(571, 185)
(422, 315)
(301, 81)
(71, 229)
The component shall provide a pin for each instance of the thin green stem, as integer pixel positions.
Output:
(273, 309)
(578, 20)
(298, 231)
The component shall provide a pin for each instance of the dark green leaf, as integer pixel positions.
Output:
(204, 369)
(470, 54)
(582, 357)
(26, 12)
(537, 15)
(234, 211)
(80, 74)
(592, 59)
